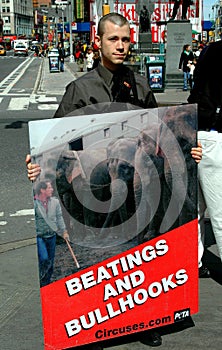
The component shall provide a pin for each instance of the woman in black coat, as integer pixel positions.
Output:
(185, 59)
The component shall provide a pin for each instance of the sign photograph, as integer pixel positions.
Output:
(115, 206)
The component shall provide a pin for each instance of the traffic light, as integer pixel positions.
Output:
(106, 9)
(44, 19)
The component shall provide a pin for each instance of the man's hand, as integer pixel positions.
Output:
(197, 153)
(33, 169)
(65, 235)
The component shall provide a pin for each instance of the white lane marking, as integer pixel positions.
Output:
(3, 223)
(22, 103)
(46, 99)
(44, 107)
(18, 104)
(13, 94)
(23, 212)
(10, 76)
(12, 73)
(2, 213)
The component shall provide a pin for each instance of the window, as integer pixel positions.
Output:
(76, 145)
(124, 125)
(107, 132)
(6, 20)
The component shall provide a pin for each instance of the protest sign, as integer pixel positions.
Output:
(123, 187)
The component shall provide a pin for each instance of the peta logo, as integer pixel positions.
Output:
(180, 315)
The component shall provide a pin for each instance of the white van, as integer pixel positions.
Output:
(20, 47)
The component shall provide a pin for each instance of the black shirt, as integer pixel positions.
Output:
(95, 89)
(207, 91)
(184, 60)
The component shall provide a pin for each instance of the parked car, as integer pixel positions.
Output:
(2, 51)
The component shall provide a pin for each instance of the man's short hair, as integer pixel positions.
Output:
(42, 185)
(113, 17)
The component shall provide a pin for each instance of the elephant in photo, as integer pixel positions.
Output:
(148, 183)
(180, 168)
(121, 154)
(167, 185)
(83, 184)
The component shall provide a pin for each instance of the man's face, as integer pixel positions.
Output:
(48, 190)
(114, 45)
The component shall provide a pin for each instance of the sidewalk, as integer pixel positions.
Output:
(20, 317)
(55, 83)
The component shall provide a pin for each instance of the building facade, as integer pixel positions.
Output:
(217, 20)
(17, 17)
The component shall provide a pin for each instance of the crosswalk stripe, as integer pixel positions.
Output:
(38, 102)
(45, 107)
(46, 99)
(18, 104)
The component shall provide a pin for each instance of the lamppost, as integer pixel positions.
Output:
(70, 5)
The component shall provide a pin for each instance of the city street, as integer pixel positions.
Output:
(33, 93)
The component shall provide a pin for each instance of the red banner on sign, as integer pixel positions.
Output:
(151, 285)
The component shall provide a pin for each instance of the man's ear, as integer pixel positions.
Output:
(98, 41)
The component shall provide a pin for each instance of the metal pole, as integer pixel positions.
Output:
(63, 25)
(70, 30)
(56, 33)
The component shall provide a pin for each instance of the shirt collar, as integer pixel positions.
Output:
(106, 74)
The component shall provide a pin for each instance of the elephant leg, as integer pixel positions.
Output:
(119, 192)
(142, 208)
(180, 208)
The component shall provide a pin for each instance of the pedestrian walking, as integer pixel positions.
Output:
(89, 58)
(61, 51)
(198, 52)
(207, 93)
(36, 51)
(186, 59)
(192, 66)
(96, 59)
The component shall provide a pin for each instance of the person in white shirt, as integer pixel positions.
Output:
(89, 59)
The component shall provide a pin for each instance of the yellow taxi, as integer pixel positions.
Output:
(2, 51)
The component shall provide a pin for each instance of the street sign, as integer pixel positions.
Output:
(74, 26)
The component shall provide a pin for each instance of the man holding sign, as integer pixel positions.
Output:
(110, 82)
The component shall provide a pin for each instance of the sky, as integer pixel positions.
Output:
(207, 5)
